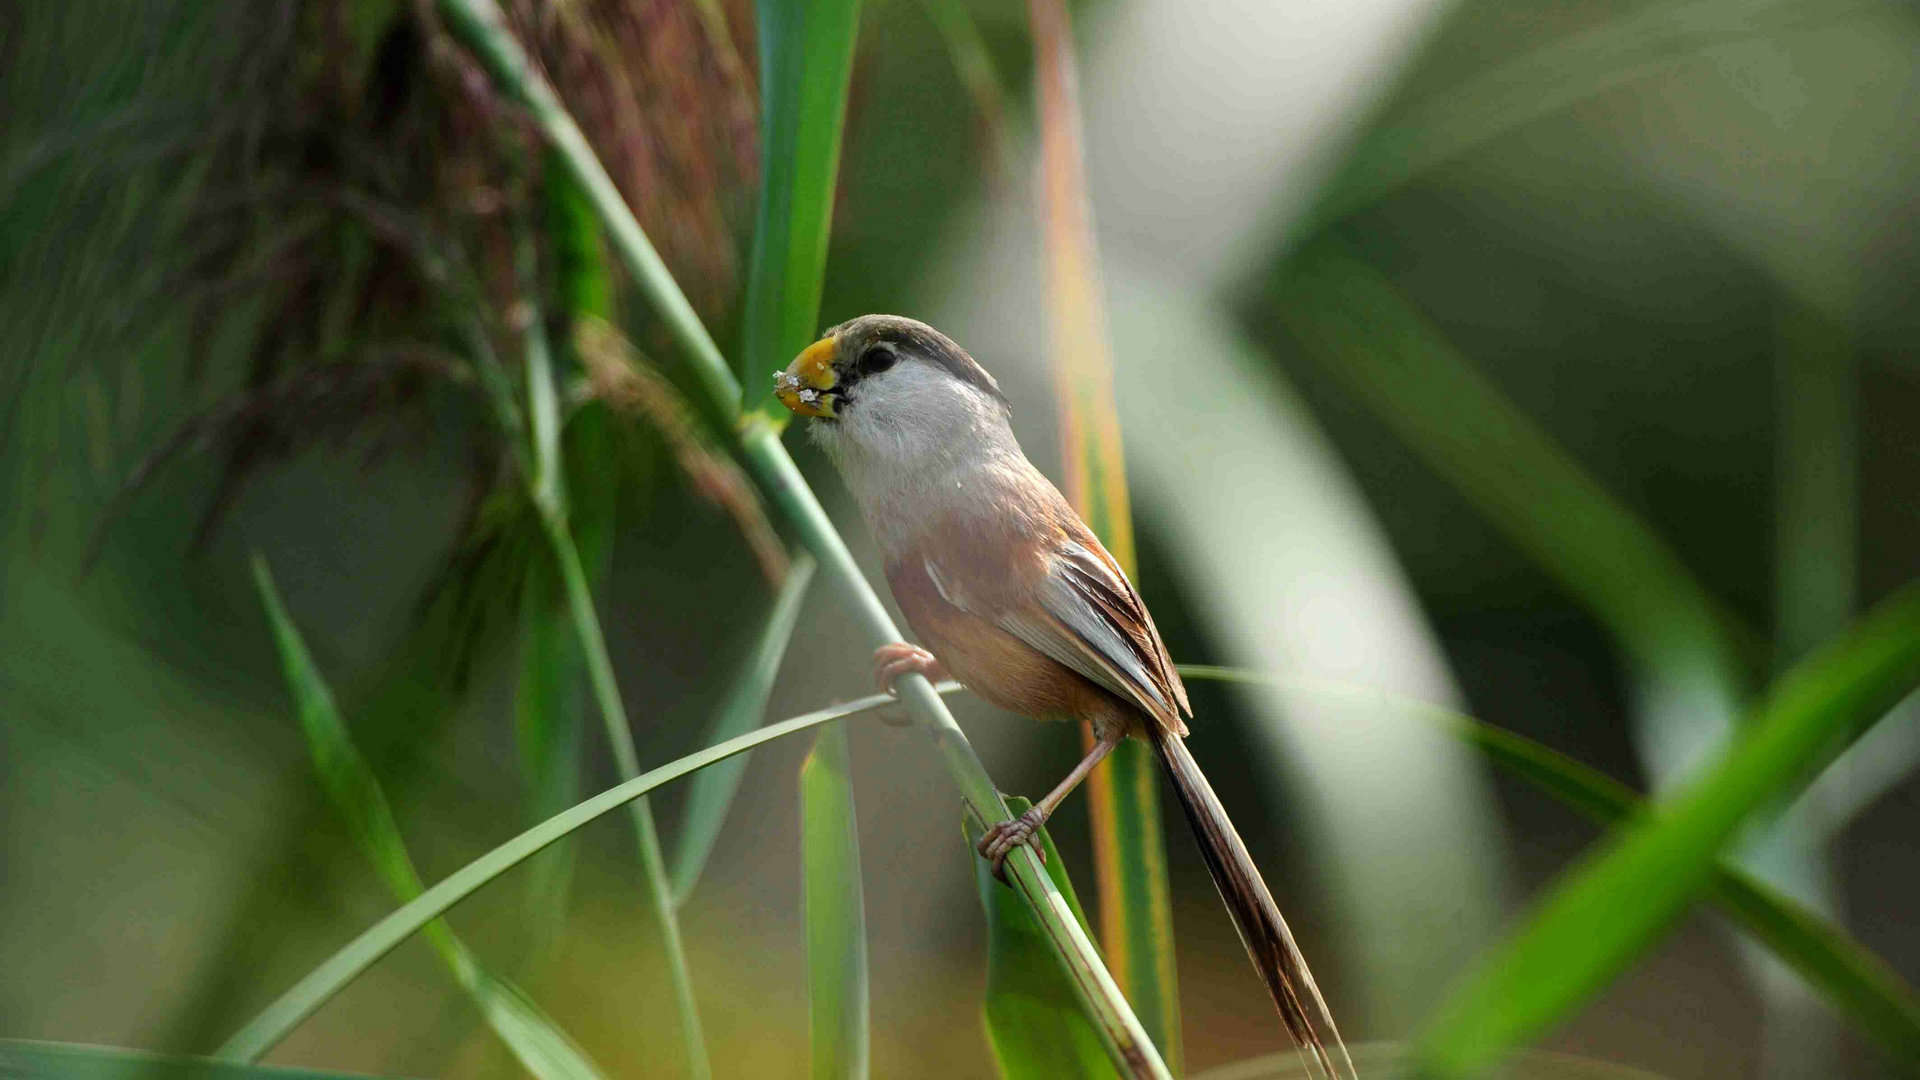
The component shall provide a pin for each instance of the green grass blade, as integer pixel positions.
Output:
(73, 1061)
(355, 792)
(834, 910)
(1854, 980)
(1123, 793)
(1607, 911)
(710, 794)
(1034, 1024)
(266, 1030)
(806, 60)
(478, 24)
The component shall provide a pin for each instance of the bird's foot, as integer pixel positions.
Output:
(999, 840)
(901, 658)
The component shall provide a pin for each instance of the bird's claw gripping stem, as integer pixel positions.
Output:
(901, 658)
(998, 841)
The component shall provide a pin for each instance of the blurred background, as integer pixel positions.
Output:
(1549, 361)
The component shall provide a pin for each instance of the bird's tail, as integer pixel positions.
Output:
(1255, 915)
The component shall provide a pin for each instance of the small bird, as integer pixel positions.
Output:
(1018, 599)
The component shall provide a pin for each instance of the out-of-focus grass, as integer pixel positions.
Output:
(835, 912)
(1610, 909)
(541, 1046)
(1853, 980)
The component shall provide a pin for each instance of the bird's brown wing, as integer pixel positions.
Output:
(1084, 614)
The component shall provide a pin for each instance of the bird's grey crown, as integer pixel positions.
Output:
(919, 339)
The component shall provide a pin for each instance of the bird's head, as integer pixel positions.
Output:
(883, 388)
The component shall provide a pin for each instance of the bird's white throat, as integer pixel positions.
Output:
(917, 445)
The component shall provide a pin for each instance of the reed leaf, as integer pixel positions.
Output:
(1123, 792)
(477, 23)
(355, 792)
(273, 1024)
(834, 910)
(1608, 910)
(806, 61)
(710, 794)
(1853, 980)
(1035, 1027)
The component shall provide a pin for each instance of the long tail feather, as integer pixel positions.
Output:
(1262, 930)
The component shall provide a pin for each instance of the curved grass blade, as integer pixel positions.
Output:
(1606, 912)
(710, 794)
(74, 1061)
(266, 1030)
(534, 1039)
(1034, 1025)
(834, 910)
(478, 24)
(806, 61)
(1855, 981)
(1123, 793)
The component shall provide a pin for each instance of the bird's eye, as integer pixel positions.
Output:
(877, 358)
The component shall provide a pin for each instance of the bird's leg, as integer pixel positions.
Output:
(999, 840)
(901, 658)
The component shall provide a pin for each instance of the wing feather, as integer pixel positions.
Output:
(1089, 618)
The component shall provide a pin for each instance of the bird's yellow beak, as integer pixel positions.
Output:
(803, 386)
